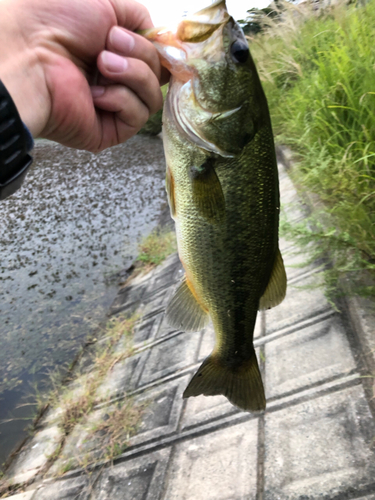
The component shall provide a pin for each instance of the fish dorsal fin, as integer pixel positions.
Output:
(276, 288)
(184, 311)
(169, 187)
(208, 194)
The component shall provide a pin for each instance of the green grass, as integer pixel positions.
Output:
(156, 247)
(317, 68)
(121, 422)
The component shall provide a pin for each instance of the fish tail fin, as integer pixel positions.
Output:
(242, 385)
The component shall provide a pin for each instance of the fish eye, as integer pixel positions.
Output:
(240, 51)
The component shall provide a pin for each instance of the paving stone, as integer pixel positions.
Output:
(160, 418)
(67, 489)
(35, 455)
(362, 312)
(221, 465)
(147, 329)
(202, 409)
(162, 413)
(138, 479)
(164, 328)
(155, 302)
(82, 446)
(300, 359)
(52, 417)
(143, 278)
(295, 260)
(123, 377)
(291, 206)
(27, 495)
(128, 298)
(169, 356)
(299, 304)
(168, 273)
(320, 448)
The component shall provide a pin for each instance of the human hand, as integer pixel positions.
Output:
(51, 51)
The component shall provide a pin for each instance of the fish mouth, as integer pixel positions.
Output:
(177, 45)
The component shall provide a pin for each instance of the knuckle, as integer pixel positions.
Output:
(141, 118)
(157, 100)
(143, 73)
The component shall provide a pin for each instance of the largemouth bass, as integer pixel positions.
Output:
(222, 185)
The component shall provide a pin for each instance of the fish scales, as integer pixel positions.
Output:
(222, 184)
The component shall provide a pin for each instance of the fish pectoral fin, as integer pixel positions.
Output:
(276, 288)
(169, 187)
(242, 385)
(208, 194)
(184, 311)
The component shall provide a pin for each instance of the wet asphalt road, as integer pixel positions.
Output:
(63, 239)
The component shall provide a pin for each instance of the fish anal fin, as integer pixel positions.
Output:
(208, 194)
(242, 385)
(276, 288)
(169, 186)
(184, 310)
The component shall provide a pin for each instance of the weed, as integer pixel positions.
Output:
(155, 248)
(118, 425)
(69, 465)
(75, 401)
(317, 71)
(78, 403)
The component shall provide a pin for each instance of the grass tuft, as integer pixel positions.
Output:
(77, 404)
(119, 424)
(317, 69)
(75, 401)
(156, 247)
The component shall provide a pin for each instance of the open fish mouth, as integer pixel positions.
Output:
(176, 46)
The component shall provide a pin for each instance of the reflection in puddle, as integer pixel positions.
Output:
(63, 238)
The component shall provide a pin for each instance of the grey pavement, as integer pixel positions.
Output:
(316, 440)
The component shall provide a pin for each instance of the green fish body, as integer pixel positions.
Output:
(222, 185)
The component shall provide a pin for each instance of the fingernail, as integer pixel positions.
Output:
(113, 62)
(121, 40)
(97, 91)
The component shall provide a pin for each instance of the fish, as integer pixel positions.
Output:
(223, 192)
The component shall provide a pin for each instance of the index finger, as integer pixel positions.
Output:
(132, 15)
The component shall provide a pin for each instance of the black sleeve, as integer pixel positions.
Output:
(15, 144)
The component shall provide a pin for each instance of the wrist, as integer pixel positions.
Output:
(21, 71)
